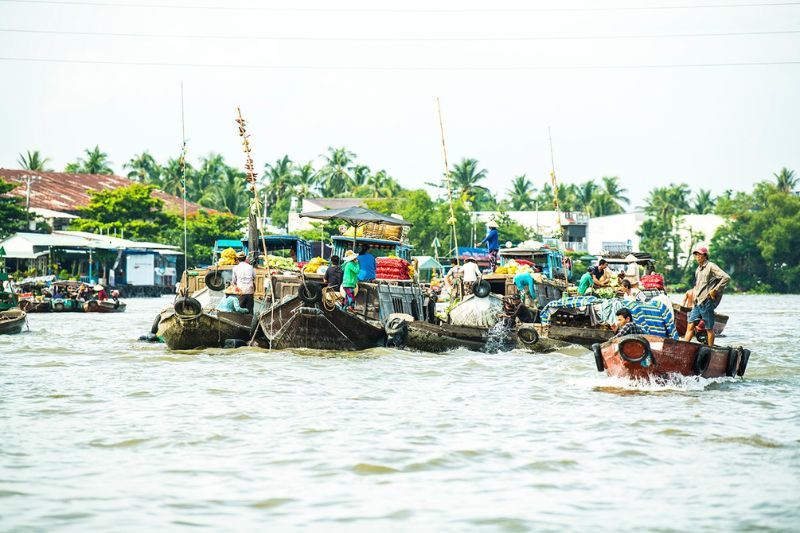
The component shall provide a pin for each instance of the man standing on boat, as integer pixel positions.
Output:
(244, 279)
(367, 266)
(492, 241)
(709, 281)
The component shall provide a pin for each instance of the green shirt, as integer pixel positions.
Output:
(351, 269)
(585, 282)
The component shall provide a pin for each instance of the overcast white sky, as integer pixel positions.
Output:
(716, 127)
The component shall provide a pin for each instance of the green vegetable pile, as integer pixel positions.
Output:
(281, 263)
(605, 292)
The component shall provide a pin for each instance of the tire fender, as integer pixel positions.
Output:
(734, 355)
(58, 306)
(215, 281)
(396, 332)
(598, 357)
(528, 336)
(482, 289)
(156, 322)
(629, 340)
(701, 360)
(743, 362)
(310, 293)
(188, 307)
(91, 304)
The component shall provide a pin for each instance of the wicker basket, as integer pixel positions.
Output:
(382, 231)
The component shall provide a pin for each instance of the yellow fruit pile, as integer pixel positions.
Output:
(228, 257)
(313, 265)
(512, 268)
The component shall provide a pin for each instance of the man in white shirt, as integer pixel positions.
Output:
(470, 272)
(244, 279)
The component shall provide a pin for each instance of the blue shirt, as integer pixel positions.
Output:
(492, 239)
(525, 281)
(366, 265)
(230, 304)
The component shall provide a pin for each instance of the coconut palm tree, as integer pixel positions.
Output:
(615, 193)
(96, 162)
(786, 180)
(704, 203)
(172, 180)
(229, 193)
(359, 175)
(381, 185)
(584, 195)
(33, 161)
(665, 202)
(521, 193)
(144, 169)
(464, 178)
(279, 179)
(306, 182)
(335, 175)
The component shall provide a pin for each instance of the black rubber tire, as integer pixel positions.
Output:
(156, 322)
(482, 289)
(215, 281)
(629, 339)
(702, 336)
(188, 307)
(234, 343)
(310, 293)
(733, 361)
(701, 360)
(58, 306)
(91, 304)
(598, 357)
(743, 362)
(528, 336)
(396, 332)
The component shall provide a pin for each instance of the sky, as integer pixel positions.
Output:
(652, 91)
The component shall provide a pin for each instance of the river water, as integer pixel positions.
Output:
(101, 432)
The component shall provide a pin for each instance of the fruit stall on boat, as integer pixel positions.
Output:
(550, 283)
(650, 356)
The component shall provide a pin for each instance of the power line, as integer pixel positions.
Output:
(399, 68)
(407, 10)
(397, 39)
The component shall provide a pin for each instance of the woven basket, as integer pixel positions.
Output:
(382, 231)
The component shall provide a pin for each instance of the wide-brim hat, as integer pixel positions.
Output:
(99, 287)
(241, 255)
(349, 255)
(491, 224)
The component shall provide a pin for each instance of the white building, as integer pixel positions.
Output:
(571, 225)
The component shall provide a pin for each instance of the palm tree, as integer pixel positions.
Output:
(96, 162)
(786, 180)
(279, 178)
(335, 176)
(229, 193)
(521, 193)
(666, 202)
(172, 177)
(33, 161)
(381, 185)
(306, 182)
(359, 175)
(584, 195)
(703, 202)
(464, 179)
(144, 169)
(615, 193)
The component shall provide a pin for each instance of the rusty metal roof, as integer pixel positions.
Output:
(63, 191)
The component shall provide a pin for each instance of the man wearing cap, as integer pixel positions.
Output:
(492, 241)
(709, 281)
(244, 279)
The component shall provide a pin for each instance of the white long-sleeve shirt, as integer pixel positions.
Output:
(244, 278)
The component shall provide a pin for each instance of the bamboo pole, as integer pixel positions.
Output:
(452, 220)
(554, 183)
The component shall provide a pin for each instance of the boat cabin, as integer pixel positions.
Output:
(550, 261)
(377, 247)
(292, 246)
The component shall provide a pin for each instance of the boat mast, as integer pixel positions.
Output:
(182, 163)
(452, 220)
(252, 212)
(554, 183)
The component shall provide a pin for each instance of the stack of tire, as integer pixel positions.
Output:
(392, 268)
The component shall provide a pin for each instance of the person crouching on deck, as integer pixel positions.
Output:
(709, 281)
(230, 302)
(350, 279)
(244, 279)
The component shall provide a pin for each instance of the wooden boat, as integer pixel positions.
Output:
(428, 337)
(33, 306)
(66, 305)
(682, 319)
(648, 356)
(11, 321)
(104, 306)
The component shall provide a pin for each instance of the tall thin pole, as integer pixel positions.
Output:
(452, 220)
(183, 182)
(554, 183)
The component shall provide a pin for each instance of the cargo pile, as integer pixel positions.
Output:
(513, 267)
(312, 266)
(393, 268)
(281, 263)
(227, 257)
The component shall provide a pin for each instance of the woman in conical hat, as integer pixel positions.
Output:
(350, 278)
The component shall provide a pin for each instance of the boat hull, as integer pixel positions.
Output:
(424, 336)
(29, 306)
(205, 330)
(670, 357)
(12, 321)
(105, 306)
(293, 323)
(682, 320)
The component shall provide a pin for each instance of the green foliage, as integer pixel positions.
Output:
(33, 161)
(203, 229)
(12, 212)
(96, 162)
(760, 245)
(131, 210)
(660, 232)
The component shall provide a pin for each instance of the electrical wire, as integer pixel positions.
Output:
(406, 10)
(399, 67)
(396, 39)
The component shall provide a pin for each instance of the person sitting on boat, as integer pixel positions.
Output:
(100, 292)
(333, 274)
(625, 324)
(244, 279)
(599, 274)
(57, 294)
(366, 264)
(631, 293)
(230, 302)
(350, 279)
(585, 284)
(492, 241)
(513, 309)
(523, 282)
(709, 281)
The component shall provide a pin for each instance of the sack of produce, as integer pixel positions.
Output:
(477, 312)
(652, 282)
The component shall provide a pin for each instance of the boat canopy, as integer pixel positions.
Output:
(294, 245)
